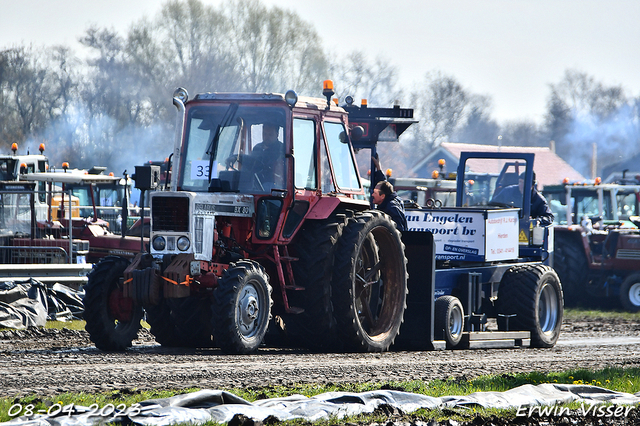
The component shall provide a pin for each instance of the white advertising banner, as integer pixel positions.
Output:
(469, 235)
(458, 235)
(502, 235)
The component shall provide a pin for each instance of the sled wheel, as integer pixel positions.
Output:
(449, 320)
(630, 293)
(241, 308)
(533, 293)
(314, 248)
(112, 320)
(369, 286)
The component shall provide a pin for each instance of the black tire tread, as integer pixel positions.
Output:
(443, 305)
(315, 248)
(182, 322)
(103, 330)
(159, 319)
(224, 325)
(624, 293)
(349, 330)
(517, 295)
(571, 265)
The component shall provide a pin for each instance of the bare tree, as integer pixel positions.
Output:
(582, 94)
(523, 133)
(276, 50)
(479, 127)
(442, 107)
(37, 87)
(354, 75)
(583, 112)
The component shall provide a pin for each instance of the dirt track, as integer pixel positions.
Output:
(51, 362)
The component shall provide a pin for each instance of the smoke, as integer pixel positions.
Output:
(85, 140)
(616, 136)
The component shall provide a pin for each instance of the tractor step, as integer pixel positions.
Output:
(293, 287)
(294, 310)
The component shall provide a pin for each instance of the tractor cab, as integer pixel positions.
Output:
(235, 147)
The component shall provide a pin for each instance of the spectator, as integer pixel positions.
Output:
(388, 202)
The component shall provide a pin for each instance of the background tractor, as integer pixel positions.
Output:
(597, 245)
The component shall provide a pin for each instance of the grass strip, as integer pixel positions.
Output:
(616, 379)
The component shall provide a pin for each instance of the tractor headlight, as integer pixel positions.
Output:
(181, 94)
(291, 97)
(159, 243)
(183, 244)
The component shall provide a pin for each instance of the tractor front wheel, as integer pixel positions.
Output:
(241, 308)
(112, 320)
(630, 293)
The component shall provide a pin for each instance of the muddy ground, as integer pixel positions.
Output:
(48, 362)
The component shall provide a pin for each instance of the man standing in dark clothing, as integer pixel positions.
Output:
(389, 202)
(539, 208)
(386, 198)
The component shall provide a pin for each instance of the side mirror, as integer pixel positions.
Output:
(357, 132)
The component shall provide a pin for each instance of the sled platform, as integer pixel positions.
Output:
(496, 339)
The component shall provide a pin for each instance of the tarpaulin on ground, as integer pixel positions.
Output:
(220, 406)
(30, 303)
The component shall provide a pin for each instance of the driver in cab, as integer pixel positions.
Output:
(512, 195)
(269, 156)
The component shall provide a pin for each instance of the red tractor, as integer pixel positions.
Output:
(597, 242)
(265, 217)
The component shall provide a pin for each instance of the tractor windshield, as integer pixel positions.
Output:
(234, 148)
(494, 182)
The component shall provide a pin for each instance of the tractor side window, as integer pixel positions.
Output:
(304, 133)
(626, 205)
(344, 167)
(326, 180)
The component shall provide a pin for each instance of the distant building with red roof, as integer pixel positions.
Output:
(549, 167)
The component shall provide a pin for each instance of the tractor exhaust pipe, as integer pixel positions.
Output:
(180, 97)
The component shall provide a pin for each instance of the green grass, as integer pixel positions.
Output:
(617, 379)
(71, 325)
(582, 313)
(76, 324)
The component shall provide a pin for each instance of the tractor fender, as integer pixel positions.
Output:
(327, 205)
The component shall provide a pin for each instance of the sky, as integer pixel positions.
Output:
(510, 50)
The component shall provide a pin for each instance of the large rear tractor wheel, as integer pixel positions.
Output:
(159, 319)
(191, 317)
(241, 308)
(630, 293)
(532, 297)
(112, 320)
(369, 286)
(570, 263)
(315, 249)
(182, 322)
(449, 320)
